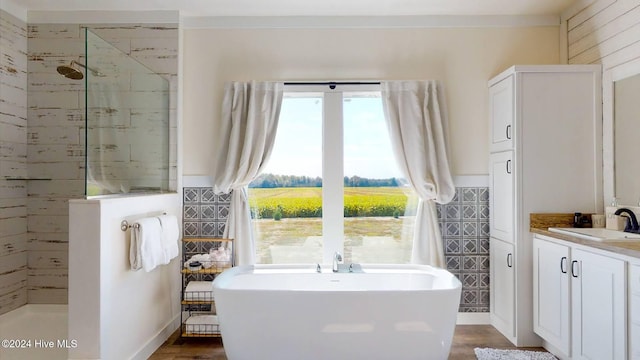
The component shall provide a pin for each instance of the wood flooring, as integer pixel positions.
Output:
(466, 338)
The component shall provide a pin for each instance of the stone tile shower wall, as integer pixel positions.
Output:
(464, 223)
(55, 147)
(13, 162)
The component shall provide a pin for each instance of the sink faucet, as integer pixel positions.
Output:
(336, 259)
(632, 224)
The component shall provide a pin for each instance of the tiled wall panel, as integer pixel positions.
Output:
(13, 287)
(13, 162)
(464, 223)
(204, 213)
(56, 152)
(56, 135)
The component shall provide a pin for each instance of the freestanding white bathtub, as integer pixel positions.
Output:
(292, 312)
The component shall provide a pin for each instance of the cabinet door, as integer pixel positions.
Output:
(598, 306)
(502, 287)
(634, 309)
(501, 113)
(501, 195)
(551, 308)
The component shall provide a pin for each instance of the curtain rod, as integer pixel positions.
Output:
(332, 84)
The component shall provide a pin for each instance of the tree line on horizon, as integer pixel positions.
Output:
(278, 181)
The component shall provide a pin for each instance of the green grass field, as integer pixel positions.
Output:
(295, 232)
(369, 213)
(307, 201)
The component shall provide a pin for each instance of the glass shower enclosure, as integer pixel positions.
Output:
(127, 123)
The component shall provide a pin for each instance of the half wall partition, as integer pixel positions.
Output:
(127, 123)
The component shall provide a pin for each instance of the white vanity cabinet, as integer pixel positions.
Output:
(545, 145)
(598, 306)
(634, 311)
(551, 293)
(580, 300)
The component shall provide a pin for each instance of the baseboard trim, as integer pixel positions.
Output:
(155, 342)
(473, 319)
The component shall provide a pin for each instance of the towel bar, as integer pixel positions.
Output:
(124, 225)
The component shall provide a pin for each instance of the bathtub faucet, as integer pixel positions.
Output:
(336, 260)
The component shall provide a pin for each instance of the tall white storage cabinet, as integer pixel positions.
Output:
(546, 156)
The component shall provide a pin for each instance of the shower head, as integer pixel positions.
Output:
(72, 72)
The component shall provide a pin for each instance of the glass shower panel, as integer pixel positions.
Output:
(127, 123)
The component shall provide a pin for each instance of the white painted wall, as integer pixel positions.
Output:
(605, 32)
(464, 59)
(116, 313)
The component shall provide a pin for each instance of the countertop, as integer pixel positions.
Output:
(540, 223)
(622, 247)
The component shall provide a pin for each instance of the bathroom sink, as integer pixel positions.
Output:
(597, 234)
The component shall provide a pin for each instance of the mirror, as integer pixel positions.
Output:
(626, 139)
(621, 133)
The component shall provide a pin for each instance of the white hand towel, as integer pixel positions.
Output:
(170, 236)
(135, 251)
(146, 244)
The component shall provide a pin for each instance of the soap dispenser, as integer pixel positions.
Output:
(577, 220)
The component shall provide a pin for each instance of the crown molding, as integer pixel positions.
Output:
(103, 17)
(576, 7)
(279, 22)
(427, 21)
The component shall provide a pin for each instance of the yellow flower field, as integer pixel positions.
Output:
(307, 201)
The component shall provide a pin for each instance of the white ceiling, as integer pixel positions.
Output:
(309, 7)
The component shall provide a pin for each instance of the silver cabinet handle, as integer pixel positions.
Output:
(508, 131)
(508, 166)
(509, 260)
(574, 273)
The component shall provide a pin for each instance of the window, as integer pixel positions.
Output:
(332, 182)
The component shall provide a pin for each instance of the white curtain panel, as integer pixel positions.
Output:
(250, 112)
(416, 117)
